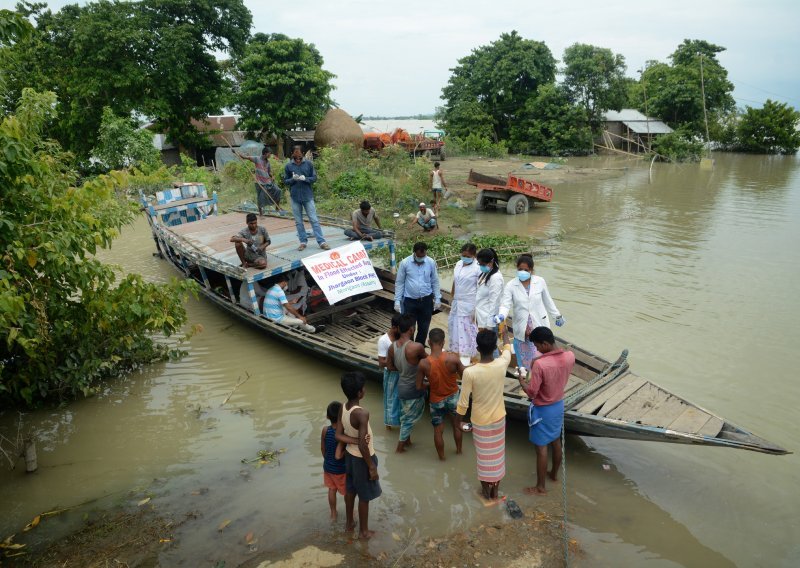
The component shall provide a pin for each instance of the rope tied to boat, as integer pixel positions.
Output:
(609, 374)
(564, 490)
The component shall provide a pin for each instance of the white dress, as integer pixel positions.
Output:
(461, 323)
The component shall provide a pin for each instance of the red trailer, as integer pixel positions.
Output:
(517, 194)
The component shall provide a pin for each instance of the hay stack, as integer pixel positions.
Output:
(338, 128)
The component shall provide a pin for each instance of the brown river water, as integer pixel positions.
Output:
(695, 273)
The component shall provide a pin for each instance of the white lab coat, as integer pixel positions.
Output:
(535, 301)
(465, 283)
(488, 300)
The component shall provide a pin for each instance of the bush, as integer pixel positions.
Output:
(474, 144)
(679, 146)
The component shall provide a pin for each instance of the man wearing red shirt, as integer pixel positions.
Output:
(548, 377)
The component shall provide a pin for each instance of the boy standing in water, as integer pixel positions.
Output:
(333, 467)
(361, 463)
(548, 377)
(442, 371)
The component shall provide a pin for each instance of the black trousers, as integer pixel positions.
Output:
(422, 311)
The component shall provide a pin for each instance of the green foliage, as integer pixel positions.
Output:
(390, 180)
(550, 125)
(492, 83)
(13, 27)
(674, 91)
(475, 145)
(121, 144)
(154, 57)
(281, 84)
(681, 145)
(442, 247)
(771, 129)
(594, 77)
(67, 321)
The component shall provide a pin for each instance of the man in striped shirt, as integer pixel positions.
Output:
(267, 193)
(276, 307)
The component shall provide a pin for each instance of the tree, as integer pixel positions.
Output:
(121, 144)
(675, 94)
(498, 78)
(281, 85)
(466, 118)
(67, 321)
(771, 129)
(594, 77)
(550, 125)
(155, 57)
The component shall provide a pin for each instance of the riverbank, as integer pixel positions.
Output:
(137, 538)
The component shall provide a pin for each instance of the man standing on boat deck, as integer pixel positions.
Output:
(251, 244)
(299, 174)
(416, 289)
(267, 193)
(548, 378)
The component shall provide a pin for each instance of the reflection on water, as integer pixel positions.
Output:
(695, 273)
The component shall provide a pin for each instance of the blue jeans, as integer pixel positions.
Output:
(311, 211)
(429, 225)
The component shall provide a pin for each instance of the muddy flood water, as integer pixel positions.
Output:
(695, 273)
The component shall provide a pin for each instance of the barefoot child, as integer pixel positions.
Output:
(361, 464)
(548, 377)
(333, 452)
(442, 371)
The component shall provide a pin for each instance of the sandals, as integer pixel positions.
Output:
(302, 246)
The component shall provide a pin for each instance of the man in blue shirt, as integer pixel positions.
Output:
(416, 289)
(299, 174)
(275, 303)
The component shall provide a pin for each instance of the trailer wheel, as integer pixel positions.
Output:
(480, 202)
(442, 156)
(427, 154)
(518, 204)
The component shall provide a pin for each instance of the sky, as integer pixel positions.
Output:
(392, 58)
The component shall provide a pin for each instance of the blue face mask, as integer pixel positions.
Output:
(485, 268)
(419, 260)
(467, 259)
(523, 275)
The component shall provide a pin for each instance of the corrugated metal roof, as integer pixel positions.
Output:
(645, 126)
(623, 115)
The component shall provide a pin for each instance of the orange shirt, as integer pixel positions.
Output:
(443, 382)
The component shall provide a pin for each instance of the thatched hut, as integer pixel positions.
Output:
(338, 128)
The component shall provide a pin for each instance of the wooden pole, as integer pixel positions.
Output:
(705, 114)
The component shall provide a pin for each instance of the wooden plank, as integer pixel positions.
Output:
(597, 400)
(638, 404)
(712, 427)
(584, 373)
(630, 387)
(690, 421)
(572, 383)
(664, 413)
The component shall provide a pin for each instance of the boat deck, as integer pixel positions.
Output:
(211, 238)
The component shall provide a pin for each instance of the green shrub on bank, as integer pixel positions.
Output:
(474, 144)
(679, 146)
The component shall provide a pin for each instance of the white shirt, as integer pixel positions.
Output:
(465, 282)
(383, 345)
(487, 302)
(429, 214)
(535, 301)
(436, 181)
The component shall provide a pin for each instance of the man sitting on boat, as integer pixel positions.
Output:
(251, 244)
(363, 218)
(276, 307)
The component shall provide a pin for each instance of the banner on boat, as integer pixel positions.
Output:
(343, 272)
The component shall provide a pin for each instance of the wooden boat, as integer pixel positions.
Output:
(602, 398)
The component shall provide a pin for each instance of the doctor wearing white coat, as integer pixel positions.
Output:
(528, 298)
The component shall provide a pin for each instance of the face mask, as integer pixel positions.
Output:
(523, 275)
(419, 260)
(485, 269)
(467, 259)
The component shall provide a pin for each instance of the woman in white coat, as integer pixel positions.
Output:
(461, 323)
(528, 298)
(490, 290)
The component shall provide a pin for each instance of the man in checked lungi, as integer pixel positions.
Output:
(548, 377)
(485, 381)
